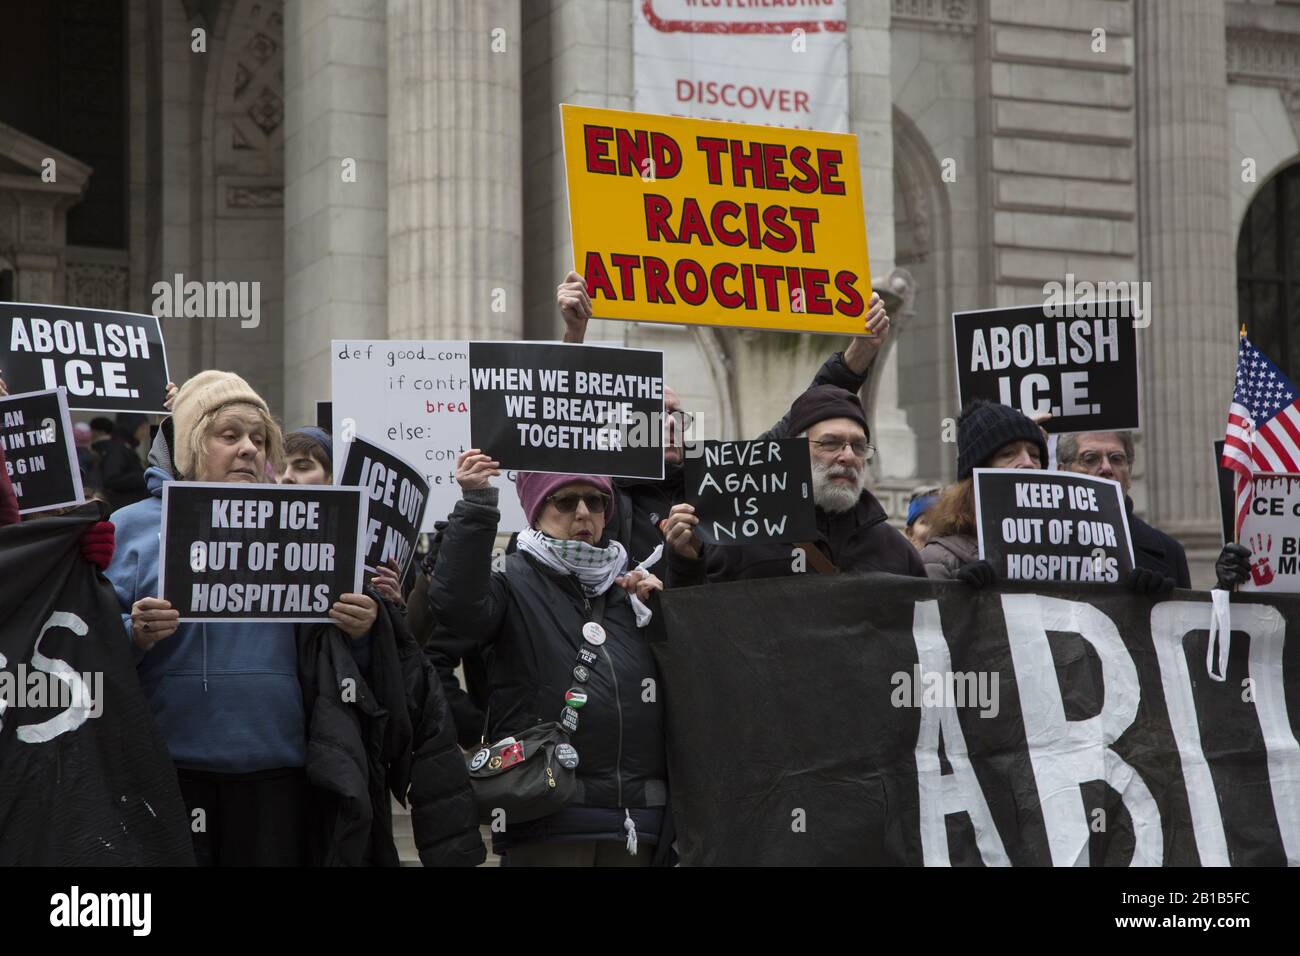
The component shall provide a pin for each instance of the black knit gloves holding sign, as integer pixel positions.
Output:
(977, 574)
(1146, 581)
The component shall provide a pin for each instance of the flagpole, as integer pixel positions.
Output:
(1236, 525)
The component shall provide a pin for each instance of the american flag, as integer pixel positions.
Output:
(1263, 424)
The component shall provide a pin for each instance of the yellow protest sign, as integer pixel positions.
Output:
(710, 223)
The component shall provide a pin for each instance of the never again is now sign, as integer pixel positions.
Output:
(710, 223)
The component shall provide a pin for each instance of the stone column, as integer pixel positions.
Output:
(871, 119)
(1186, 253)
(455, 212)
(335, 257)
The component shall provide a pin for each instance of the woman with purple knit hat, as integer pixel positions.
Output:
(564, 622)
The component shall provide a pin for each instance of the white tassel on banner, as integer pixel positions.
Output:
(1220, 626)
(630, 827)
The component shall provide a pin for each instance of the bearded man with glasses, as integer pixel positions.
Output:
(853, 534)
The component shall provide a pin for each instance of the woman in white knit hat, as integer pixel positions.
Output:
(226, 696)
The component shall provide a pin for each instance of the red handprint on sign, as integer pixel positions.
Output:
(1260, 572)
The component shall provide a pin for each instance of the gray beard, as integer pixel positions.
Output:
(834, 498)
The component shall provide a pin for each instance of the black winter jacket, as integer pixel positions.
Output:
(860, 541)
(532, 617)
(120, 472)
(388, 731)
(1156, 551)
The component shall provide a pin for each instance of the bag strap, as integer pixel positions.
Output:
(816, 559)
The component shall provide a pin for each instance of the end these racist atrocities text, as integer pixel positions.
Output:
(680, 220)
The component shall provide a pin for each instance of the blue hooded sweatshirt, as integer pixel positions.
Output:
(225, 696)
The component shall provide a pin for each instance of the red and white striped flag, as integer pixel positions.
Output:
(1263, 424)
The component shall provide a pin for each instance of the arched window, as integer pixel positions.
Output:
(1268, 270)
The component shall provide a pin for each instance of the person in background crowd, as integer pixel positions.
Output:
(87, 460)
(989, 435)
(1160, 559)
(536, 615)
(229, 707)
(918, 515)
(101, 429)
(309, 460)
(308, 457)
(853, 533)
(121, 473)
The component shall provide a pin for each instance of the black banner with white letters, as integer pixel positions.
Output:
(40, 453)
(1081, 367)
(1052, 525)
(85, 776)
(881, 720)
(751, 491)
(245, 552)
(398, 495)
(108, 361)
(577, 409)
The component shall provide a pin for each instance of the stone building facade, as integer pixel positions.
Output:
(382, 168)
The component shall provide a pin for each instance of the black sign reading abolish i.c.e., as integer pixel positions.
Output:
(398, 495)
(245, 552)
(750, 491)
(580, 409)
(1052, 526)
(108, 361)
(40, 454)
(1082, 369)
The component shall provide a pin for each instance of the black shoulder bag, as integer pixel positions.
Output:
(529, 775)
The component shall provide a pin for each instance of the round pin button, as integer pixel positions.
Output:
(566, 755)
(480, 759)
(580, 674)
(593, 633)
(575, 697)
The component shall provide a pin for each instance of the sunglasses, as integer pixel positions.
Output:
(595, 501)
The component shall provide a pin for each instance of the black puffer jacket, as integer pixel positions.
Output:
(388, 731)
(533, 617)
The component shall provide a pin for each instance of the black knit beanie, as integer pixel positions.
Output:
(984, 427)
(822, 402)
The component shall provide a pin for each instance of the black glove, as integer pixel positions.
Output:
(977, 574)
(1146, 581)
(1233, 566)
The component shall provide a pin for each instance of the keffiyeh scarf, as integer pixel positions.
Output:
(595, 568)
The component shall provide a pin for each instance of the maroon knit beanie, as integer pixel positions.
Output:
(535, 486)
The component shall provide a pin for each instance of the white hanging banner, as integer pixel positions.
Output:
(769, 62)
